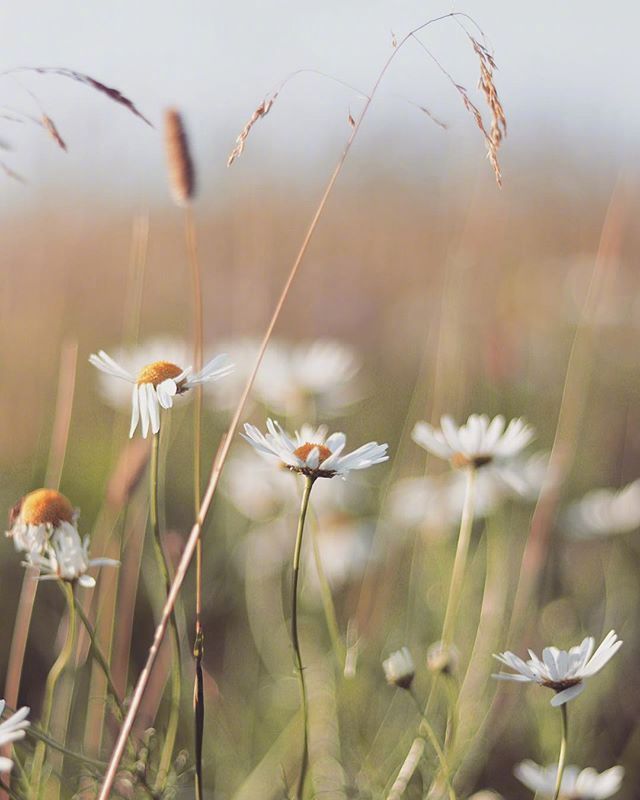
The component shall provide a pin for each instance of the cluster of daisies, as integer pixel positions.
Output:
(479, 444)
(44, 524)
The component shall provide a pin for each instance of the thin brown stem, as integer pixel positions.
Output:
(192, 541)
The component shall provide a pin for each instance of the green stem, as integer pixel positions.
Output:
(460, 561)
(426, 729)
(294, 634)
(327, 604)
(24, 778)
(52, 679)
(176, 667)
(563, 751)
(457, 574)
(99, 655)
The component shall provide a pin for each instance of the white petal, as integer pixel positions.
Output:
(154, 409)
(144, 410)
(567, 694)
(135, 411)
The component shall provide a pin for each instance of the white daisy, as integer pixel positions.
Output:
(477, 443)
(604, 512)
(586, 784)
(312, 453)
(399, 669)
(321, 371)
(157, 384)
(561, 670)
(36, 516)
(66, 557)
(11, 730)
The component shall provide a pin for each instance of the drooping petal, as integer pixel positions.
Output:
(567, 694)
(135, 411)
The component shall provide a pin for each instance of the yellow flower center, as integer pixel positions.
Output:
(46, 506)
(157, 372)
(460, 461)
(304, 450)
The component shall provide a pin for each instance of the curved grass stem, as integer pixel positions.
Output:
(99, 656)
(176, 668)
(55, 672)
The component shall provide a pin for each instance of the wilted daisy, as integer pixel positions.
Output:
(399, 669)
(320, 372)
(604, 512)
(66, 557)
(36, 516)
(477, 443)
(561, 670)
(311, 452)
(157, 383)
(586, 784)
(11, 730)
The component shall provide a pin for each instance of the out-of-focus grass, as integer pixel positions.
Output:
(458, 301)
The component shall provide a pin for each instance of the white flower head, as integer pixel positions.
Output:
(321, 371)
(586, 784)
(36, 516)
(311, 452)
(443, 658)
(399, 669)
(604, 512)
(66, 557)
(157, 384)
(477, 443)
(11, 730)
(561, 670)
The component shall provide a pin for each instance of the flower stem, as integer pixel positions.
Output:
(52, 679)
(304, 505)
(99, 656)
(460, 561)
(426, 729)
(176, 668)
(457, 575)
(563, 751)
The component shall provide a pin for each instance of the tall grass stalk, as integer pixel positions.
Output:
(221, 456)
(198, 644)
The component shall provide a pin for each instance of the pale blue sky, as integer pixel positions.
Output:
(568, 80)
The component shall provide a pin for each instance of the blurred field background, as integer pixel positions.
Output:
(456, 297)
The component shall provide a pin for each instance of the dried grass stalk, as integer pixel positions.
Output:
(181, 171)
(50, 127)
(261, 111)
(486, 84)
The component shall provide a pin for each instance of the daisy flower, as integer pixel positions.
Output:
(311, 452)
(586, 784)
(604, 512)
(36, 517)
(11, 730)
(66, 557)
(399, 669)
(561, 670)
(321, 371)
(477, 443)
(156, 384)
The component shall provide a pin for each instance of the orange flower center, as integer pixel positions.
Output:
(157, 372)
(304, 450)
(46, 506)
